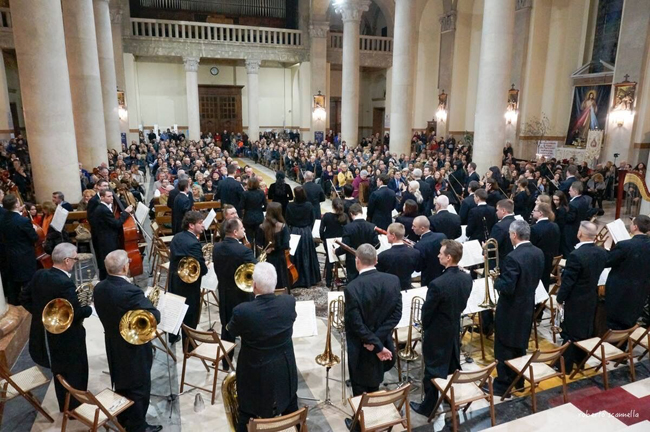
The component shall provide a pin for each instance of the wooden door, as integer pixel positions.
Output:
(335, 115)
(220, 108)
(378, 121)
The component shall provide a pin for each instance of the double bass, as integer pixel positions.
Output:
(131, 237)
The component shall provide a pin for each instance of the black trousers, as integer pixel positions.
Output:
(192, 316)
(505, 375)
(13, 290)
(244, 417)
(75, 374)
(572, 356)
(225, 335)
(358, 389)
(134, 419)
(430, 394)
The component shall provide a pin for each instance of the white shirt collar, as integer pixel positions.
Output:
(367, 270)
(541, 219)
(359, 217)
(18, 211)
(61, 270)
(481, 203)
(107, 205)
(382, 186)
(520, 243)
(577, 196)
(584, 243)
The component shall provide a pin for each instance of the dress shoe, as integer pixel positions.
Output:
(153, 428)
(348, 423)
(495, 391)
(418, 408)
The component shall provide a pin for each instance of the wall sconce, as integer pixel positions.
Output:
(319, 107)
(441, 113)
(121, 102)
(621, 116)
(513, 105)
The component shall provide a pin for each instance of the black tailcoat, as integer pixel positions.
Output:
(446, 223)
(546, 236)
(355, 234)
(401, 261)
(380, 207)
(476, 226)
(429, 247)
(227, 256)
(501, 234)
(106, 230)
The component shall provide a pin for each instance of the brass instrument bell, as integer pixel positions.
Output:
(328, 358)
(189, 269)
(230, 401)
(244, 277)
(138, 327)
(490, 254)
(57, 315)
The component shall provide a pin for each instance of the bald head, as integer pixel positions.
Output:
(587, 231)
(442, 202)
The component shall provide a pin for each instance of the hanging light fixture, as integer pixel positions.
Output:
(513, 106)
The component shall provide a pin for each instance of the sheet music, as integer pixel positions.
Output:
(407, 298)
(478, 294)
(315, 231)
(451, 209)
(519, 217)
(293, 244)
(472, 254)
(305, 324)
(364, 211)
(383, 244)
(60, 216)
(141, 213)
(172, 309)
(209, 219)
(618, 231)
(209, 280)
(330, 246)
(463, 236)
(602, 280)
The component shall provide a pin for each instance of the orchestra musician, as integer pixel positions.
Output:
(521, 272)
(444, 221)
(505, 214)
(373, 307)
(381, 203)
(469, 202)
(579, 206)
(229, 190)
(227, 256)
(105, 229)
(182, 204)
(129, 365)
(63, 353)
(545, 234)
(579, 291)
(186, 244)
(627, 284)
(446, 299)
(400, 260)
(481, 218)
(267, 375)
(18, 237)
(95, 201)
(357, 232)
(273, 236)
(315, 193)
(429, 248)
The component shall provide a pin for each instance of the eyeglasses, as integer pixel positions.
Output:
(73, 259)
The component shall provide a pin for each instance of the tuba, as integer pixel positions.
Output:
(189, 270)
(329, 359)
(230, 401)
(57, 315)
(490, 254)
(408, 353)
(85, 293)
(138, 326)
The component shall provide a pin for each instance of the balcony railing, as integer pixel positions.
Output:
(5, 19)
(183, 30)
(366, 43)
(266, 8)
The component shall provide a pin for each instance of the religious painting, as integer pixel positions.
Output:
(319, 100)
(588, 112)
(442, 101)
(624, 96)
(121, 101)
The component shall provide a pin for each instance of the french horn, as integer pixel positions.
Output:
(138, 327)
(189, 270)
(57, 315)
(85, 294)
(244, 273)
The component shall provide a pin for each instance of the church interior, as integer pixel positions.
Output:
(324, 215)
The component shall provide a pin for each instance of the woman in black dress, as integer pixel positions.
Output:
(252, 205)
(300, 218)
(522, 198)
(560, 208)
(280, 191)
(407, 217)
(331, 226)
(274, 231)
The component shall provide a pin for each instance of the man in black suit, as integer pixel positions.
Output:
(267, 375)
(579, 291)
(373, 307)
(227, 256)
(381, 203)
(628, 284)
(468, 203)
(95, 201)
(471, 175)
(182, 204)
(444, 221)
(446, 299)
(67, 351)
(578, 211)
(105, 229)
(186, 244)
(128, 364)
(356, 233)
(571, 172)
(429, 247)
(545, 234)
(505, 214)
(59, 199)
(480, 219)
(425, 190)
(400, 260)
(18, 236)
(174, 192)
(229, 190)
(521, 272)
(315, 193)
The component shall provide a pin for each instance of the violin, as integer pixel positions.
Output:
(407, 242)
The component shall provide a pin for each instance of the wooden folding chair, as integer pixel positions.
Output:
(607, 349)
(94, 411)
(641, 337)
(381, 410)
(286, 423)
(460, 388)
(538, 367)
(210, 349)
(22, 384)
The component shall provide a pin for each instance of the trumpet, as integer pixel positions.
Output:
(85, 294)
(328, 358)
(189, 270)
(57, 315)
(490, 254)
(408, 353)
(138, 326)
(244, 273)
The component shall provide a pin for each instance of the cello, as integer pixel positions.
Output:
(291, 268)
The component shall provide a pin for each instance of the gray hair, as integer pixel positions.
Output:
(63, 251)
(309, 176)
(115, 261)
(265, 277)
(443, 201)
(417, 173)
(589, 229)
(367, 254)
(521, 229)
(183, 176)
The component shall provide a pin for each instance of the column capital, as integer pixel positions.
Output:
(191, 64)
(319, 29)
(116, 15)
(351, 10)
(101, 1)
(448, 22)
(523, 4)
(253, 66)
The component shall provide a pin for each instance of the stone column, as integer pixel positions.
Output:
(192, 89)
(351, 11)
(107, 72)
(86, 88)
(493, 82)
(47, 104)
(404, 59)
(318, 32)
(6, 121)
(117, 16)
(446, 63)
(253, 84)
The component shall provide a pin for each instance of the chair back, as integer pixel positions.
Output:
(211, 337)
(549, 357)
(296, 419)
(618, 337)
(380, 398)
(83, 396)
(465, 377)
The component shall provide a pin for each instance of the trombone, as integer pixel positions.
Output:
(490, 254)
(408, 353)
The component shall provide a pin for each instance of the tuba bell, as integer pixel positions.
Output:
(57, 315)
(408, 353)
(329, 359)
(230, 401)
(490, 254)
(189, 269)
(138, 326)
